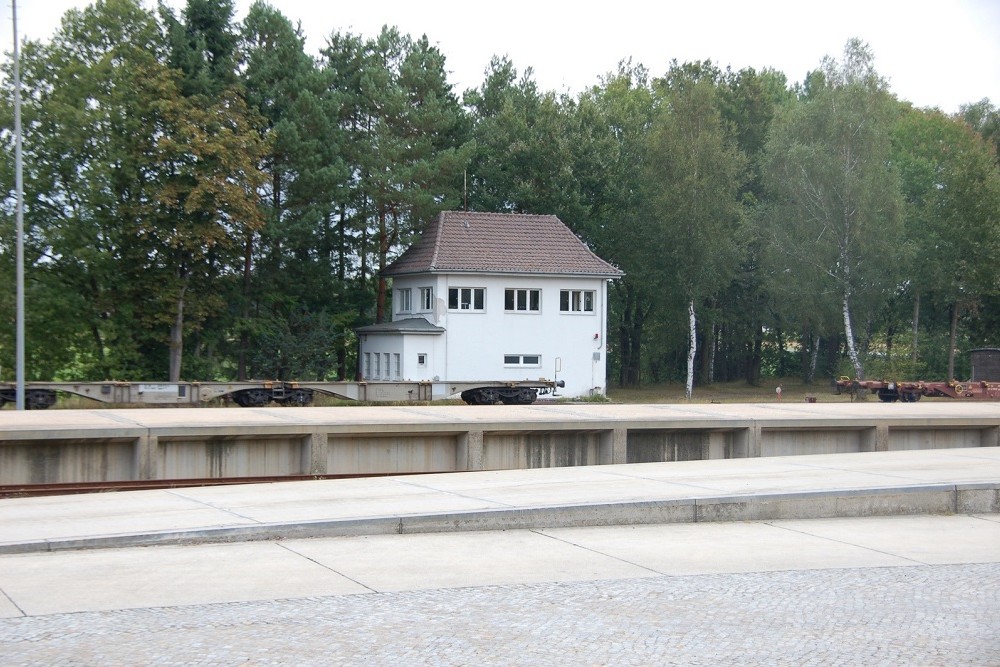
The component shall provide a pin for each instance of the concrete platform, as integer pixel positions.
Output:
(67, 582)
(954, 481)
(899, 546)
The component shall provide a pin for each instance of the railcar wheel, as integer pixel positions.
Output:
(252, 398)
(39, 399)
(298, 397)
(523, 396)
(888, 395)
(482, 396)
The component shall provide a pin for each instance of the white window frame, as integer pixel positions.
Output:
(577, 300)
(522, 299)
(368, 366)
(426, 299)
(459, 300)
(404, 298)
(522, 361)
(421, 358)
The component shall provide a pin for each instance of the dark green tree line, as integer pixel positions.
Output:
(206, 200)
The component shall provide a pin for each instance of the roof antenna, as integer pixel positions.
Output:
(465, 189)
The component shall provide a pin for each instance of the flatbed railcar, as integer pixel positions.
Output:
(42, 395)
(910, 392)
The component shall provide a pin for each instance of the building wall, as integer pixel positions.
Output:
(411, 357)
(482, 344)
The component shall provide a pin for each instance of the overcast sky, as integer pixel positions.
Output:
(934, 53)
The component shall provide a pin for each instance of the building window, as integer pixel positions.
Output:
(467, 298)
(426, 299)
(377, 370)
(368, 365)
(576, 301)
(523, 360)
(397, 366)
(388, 369)
(403, 299)
(522, 300)
(421, 359)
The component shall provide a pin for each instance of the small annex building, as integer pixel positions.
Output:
(494, 297)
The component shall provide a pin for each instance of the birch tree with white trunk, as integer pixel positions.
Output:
(837, 226)
(693, 174)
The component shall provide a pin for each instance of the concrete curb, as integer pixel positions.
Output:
(978, 498)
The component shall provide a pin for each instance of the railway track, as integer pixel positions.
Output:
(72, 488)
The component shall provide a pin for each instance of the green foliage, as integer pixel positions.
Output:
(836, 224)
(205, 198)
(951, 185)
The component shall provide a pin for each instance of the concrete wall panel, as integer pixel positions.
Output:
(232, 457)
(813, 441)
(391, 453)
(65, 461)
(927, 438)
(658, 446)
(513, 451)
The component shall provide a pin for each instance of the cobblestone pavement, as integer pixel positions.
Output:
(921, 615)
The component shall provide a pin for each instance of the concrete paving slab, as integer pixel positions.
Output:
(7, 608)
(706, 548)
(729, 477)
(94, 580)
(648, 481)
(870, 470)
(338, 499)
(931, 466)
(931, 540)
(54, 517)
(66, 582)
(733, 489)
(411, 562)
(594, 484)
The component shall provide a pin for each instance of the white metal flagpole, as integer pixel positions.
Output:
(19, 180)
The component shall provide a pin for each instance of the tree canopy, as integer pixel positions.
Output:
(205, 200)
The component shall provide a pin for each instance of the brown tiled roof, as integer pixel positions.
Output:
(460, 241)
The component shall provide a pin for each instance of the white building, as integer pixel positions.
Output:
(494, 297)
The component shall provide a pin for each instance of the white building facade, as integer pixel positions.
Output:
(495, 297)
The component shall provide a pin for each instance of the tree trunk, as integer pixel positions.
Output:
(342, 281)
(241, 368)
(756, 357)
(890, 335)
(630, 340)
(916, 329)
(177, 339)
(713, 345)
(952, 340)
(779, 338)
(689, 389)
(852, 351)
(813, 359)
(383, 251)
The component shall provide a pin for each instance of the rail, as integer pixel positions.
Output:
(73, 488)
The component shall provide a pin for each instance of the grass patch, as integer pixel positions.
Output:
(793, 390)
